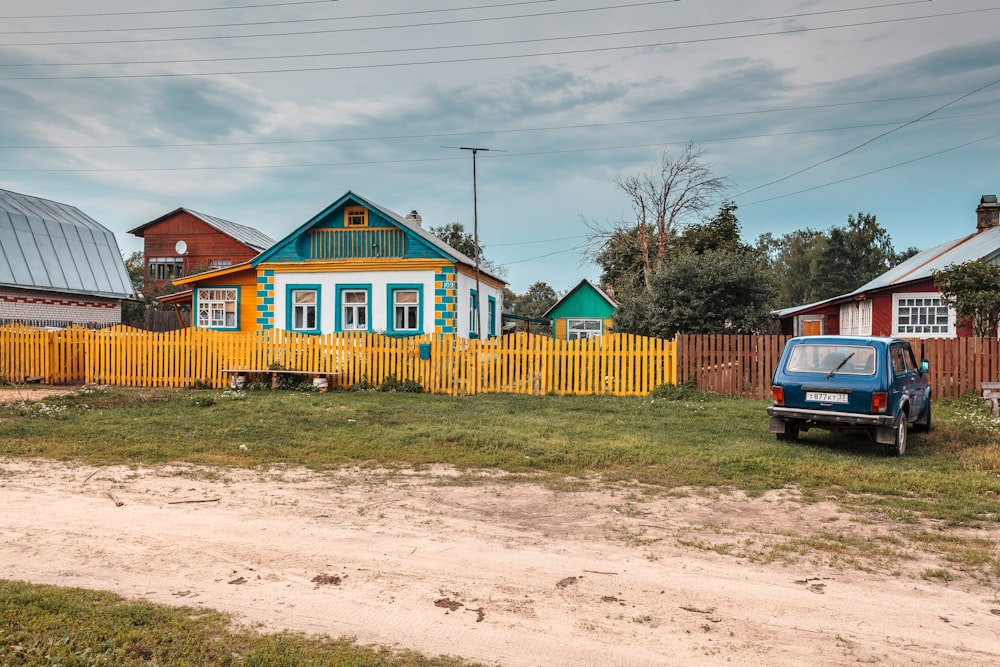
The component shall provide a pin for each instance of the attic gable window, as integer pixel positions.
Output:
(355, 216)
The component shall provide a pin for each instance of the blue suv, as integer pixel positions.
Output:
(850, 383)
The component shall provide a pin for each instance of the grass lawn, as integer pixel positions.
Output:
(695, 440)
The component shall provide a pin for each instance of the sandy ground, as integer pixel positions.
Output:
(502, 572)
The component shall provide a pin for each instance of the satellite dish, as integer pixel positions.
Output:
(181, 247)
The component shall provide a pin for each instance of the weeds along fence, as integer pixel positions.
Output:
(618, 364)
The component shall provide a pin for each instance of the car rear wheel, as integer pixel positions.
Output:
(924, 424)
(791, 434)
(899, 446)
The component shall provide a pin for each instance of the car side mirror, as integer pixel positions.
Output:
(924, 366)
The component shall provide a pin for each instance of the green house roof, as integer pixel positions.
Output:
(584, 300)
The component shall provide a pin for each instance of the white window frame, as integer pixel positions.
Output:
(856, 318)
(218, 307)
(302, 310)
(356, 310)
(409, 310)
(578, 328)
(915, 306)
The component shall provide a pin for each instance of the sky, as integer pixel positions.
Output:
(263, 113)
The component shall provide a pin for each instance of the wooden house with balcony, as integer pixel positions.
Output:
(354, 266)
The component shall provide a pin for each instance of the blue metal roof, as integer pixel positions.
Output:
(49, 246)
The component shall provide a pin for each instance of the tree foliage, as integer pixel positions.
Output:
(719, 233)
(534, 303)
(661, 200)
(717, 291)
(454, 234)
(809, 265)
(973, 289)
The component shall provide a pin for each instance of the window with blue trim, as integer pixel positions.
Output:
(473, 314)
(405, 309)
(303, 308)
(354, 309)
(492, 312)
(218, 307)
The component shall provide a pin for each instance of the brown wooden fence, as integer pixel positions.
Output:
(744, 365)
(618, 364)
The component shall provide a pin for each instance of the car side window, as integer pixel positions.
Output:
(902, 360)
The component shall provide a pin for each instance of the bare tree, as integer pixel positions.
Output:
(682, 189)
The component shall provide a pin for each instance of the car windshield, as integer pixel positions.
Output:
(831, 359)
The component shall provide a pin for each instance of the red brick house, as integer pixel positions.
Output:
(183, 242)
(904, 301)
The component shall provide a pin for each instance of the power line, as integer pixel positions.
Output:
(469, 60)
(407, 26)
(170, 11)
(380, 51)
(872, 139)
(549, 128)
(285, 21)
(564, 151)
(876, 171)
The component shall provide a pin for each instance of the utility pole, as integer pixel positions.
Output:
(475, 236)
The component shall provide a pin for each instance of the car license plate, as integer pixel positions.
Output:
(826, 397)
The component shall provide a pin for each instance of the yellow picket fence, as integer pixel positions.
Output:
(618, 364)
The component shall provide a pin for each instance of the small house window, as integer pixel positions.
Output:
(923, 315)
(217, 308)
(219, 263)
(473, 314)
(354, 304)
(492, 314)
(577, 329)
(405, 310)
(165, 268)
(356, 216)
(304, 309)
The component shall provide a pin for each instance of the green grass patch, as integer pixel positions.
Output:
(697, 440)
(47, 625)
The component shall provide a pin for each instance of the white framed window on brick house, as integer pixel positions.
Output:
(856, 318)
(922, 315)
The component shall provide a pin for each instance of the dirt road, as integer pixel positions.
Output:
(501, 572)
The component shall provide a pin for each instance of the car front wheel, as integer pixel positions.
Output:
(899, 445)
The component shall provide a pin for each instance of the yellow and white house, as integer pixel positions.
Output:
(354, 266)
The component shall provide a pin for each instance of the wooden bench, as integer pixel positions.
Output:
(991, 394)
(239, 376)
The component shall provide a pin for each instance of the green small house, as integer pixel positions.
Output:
(585, 312)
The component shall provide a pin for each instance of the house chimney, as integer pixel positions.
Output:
(987, 213)
(415, 218)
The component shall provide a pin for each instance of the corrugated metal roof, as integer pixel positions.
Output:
(248, 236)
(49, 246)
(984, 245)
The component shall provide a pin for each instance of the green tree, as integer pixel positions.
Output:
(715, 292)
(621, 261)
(679, 191)
(134, 311)
(973, 289)
(454, 234)
(853, 256)
(719, 233)
(534, 303)
(792, 258)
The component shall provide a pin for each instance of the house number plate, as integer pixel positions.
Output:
(448, 284)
